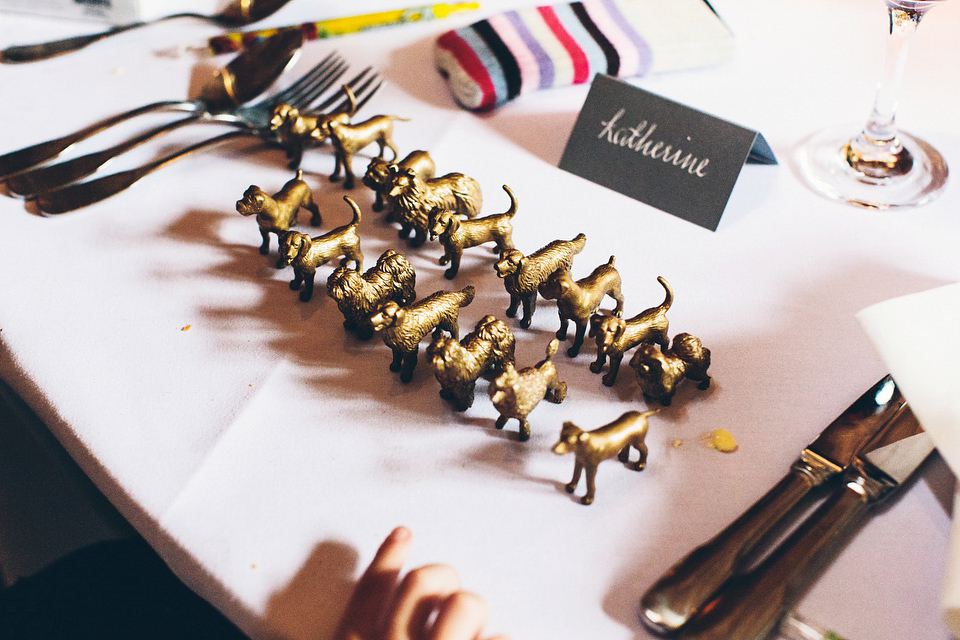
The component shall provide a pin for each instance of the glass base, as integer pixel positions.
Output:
(823, 162)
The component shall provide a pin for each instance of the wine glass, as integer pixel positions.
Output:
(881, 167)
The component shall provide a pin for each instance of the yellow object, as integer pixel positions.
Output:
(721, 440)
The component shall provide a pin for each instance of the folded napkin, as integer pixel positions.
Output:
(495, 60)
(918, 336)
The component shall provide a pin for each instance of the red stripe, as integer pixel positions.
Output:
(467, 57)
(581, 66)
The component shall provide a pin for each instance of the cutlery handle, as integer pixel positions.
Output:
(43, 50)
(17, 161)
(677, 595)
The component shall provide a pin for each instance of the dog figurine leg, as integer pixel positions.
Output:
(514, 305)
(577, 341)
(611, 376)
(454, 268)
(409, 364)
(307, 292)
(577, 469)
(265, 245)
(397, 360)
(524, 434)
(529, 306)
(591, 484)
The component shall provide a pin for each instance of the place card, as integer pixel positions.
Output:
(660, 152)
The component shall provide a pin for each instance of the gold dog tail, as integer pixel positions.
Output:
(513, 202)
(668, 298)
(352, 99)
(468, 294)
(299, 174)
(356, 210)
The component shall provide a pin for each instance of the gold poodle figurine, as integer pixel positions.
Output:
(457, 234)
(590, 448)
(577, 300)
(349, 139)
(659, 372)
(415, 200)
(516, 393)
(278, 213)
(404, 327)
(523, 275)
(305, 254)
(615, 336)
(359, 296)
(297, 130)
(379, 174)
(458, 364)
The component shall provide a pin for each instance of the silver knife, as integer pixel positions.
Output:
(690, 583)
(750, 606)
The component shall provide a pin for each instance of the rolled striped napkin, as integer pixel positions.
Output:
(494, 60)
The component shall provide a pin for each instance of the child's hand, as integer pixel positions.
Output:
(381, 609)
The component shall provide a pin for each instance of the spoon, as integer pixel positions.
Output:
(245, 77)
(239, 13)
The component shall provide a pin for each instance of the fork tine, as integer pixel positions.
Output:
(341, 94)
(307, 92)
(364, 100)
(332, 59)
(359, 91)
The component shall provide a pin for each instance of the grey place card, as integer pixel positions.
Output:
(660, 152)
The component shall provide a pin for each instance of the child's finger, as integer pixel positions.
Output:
(421, 591)
(462, 616)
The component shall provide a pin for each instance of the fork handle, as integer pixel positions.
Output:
(22, 159)
(43, 50)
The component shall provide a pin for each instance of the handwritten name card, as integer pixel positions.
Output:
(660, 152)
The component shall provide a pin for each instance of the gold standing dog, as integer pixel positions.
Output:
(415, 200)
(516, 393)
(297, 130)
(590, 448)
(349, 139)
(457, 234)
(380, 172)
(360, 296)
(306, 253)
(659, 372)
(458, 364)
(278, 213)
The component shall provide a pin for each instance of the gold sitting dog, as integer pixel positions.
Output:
(457, 234)
(404, 327)
(360, 296)
(297, 130)
(349, 139)
(577, 300)
(523, 275)
(278, 213)
(306, 253)
(516, 393)
(379, 174)
(659, 372)
(615, 336)
(458, 364)
(415, 200)
(590, 448)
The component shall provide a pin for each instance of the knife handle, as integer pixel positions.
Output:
(751, 605)
(691, 582)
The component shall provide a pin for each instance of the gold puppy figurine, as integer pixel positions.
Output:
(349, 139)
(306, 253)
(457, 234)
(297, 130)
(615, 336)
(458, 364)
(415, 200)
(659, 372)
(590, 448)
(516, 393)
(278, 213)
(523, 275)
(577, 300)
(379, 174)
(359, 296)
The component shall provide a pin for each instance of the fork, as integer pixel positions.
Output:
(82, 194)
(256, 116)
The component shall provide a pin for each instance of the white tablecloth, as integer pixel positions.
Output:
(265, 453)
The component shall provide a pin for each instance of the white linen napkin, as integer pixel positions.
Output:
(918, 336)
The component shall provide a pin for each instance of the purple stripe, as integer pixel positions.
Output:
(544, 62)
(646, 55)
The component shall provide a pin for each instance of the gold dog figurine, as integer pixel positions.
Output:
(615, 336)
(306, 253)
(457, 234)
(523, 275)
(458, 364)
(516, 393)
(577, 300)
(359, 296)
(659, 372)
(590, 448)
(404, 327)
(297, 130)
(278, 213)
(379, 175)
(349, 139)
(415, 200)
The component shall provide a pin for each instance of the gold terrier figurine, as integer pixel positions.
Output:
(578, 300)
(415, 200)
(615, 336)
(349, 139)
(516, 393)
(404, 327)
(360, 296)
(457, 234)
(523, 275)
(278, 213)
(297, 130)
(379, 173)
(590, 448)
(306, 253)
(457, 365)
(659, 372)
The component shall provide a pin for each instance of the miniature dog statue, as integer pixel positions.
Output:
(404, 327)
(523, 275)
(458, 364)
(415, 200)
(306, 253)
(615, 336)
(379, 173)
(659, 372)
(349, 139)
(360, 296)
(516, 393)
(278, 213)
(297, 130)
(590, 448)
(578, 300)
(457, 234)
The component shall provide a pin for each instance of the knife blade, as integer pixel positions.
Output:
(750, 605)
(676, 596)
